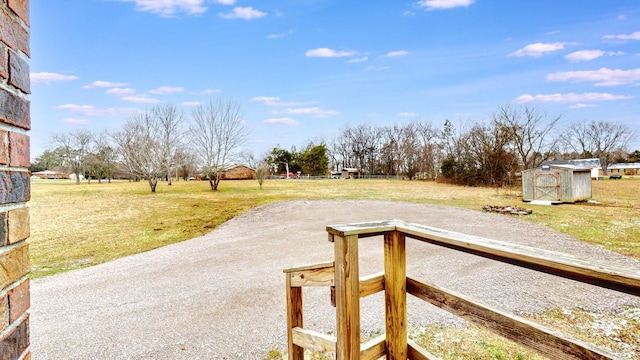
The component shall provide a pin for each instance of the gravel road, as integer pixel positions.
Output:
(222, 295)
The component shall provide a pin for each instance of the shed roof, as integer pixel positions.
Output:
(583, 163)
(625, 166)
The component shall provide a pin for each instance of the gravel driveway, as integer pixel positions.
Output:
(222, 295)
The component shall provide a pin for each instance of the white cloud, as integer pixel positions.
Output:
(588, 55)
(444, 4)
(140, 99)
(408, 13)
(164, 90)
(569, 98)
(329, 53)
(279, 36)
(104, 84)
(275, 101)
(76, 121)
(312, 111)
(539, 49)
(169, 8)
(407, 114)
(581, 106)
(47, 77)
(622, 17)
(375, 68)
(601, 77)
(92, 111)
(190, 103)
(281, 121)
(120, 91)
(246, 13)
(206, 92)
(396, 53)
(623, 37)
(357, 60)
(225, 2)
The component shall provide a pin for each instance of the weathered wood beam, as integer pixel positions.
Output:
(546, 342)
(321, 276)
(309, 267)
(294, 319)
(313, 340)
(551, 262)
(395, 273)
(371, 284)
(373, 349)
(415, 352)
(347, 296)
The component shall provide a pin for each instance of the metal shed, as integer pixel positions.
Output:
(557, 183)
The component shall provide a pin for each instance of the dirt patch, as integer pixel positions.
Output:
(222, 295)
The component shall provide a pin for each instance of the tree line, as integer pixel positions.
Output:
(163, 142)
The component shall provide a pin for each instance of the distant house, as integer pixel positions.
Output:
(50, 174)
(350, 173)
(557, 183)
(238, 172)
(593, 164)
(624, 168)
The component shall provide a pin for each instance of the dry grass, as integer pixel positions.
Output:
(80, 225)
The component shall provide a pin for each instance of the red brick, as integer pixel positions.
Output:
(19, 73)
(19, 150)
(16, 343)
(4, 147)
(14, 187)
(21, 8)
(4, 71)
(18, 225)
(15, 264)
(13, 34)
(14, 110)
(19, 301)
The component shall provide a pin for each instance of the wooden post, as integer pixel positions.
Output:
(294, 318)
(395, 274)
(347, 284)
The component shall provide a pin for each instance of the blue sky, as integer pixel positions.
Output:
(304, 69)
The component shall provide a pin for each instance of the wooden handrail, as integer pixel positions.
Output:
(342, 276)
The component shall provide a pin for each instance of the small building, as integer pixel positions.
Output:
(593, 164)
(50, 174)
(238, 172)
(624, 168)
(350, 173)
(557, 184)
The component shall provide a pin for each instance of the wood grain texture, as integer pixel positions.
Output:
(395, 273)
(373, 349)
(294, 319)
(313, 340)
(546, 342)
(347, 292)
(371, 284)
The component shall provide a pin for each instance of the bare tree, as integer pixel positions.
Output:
(147, 142)
(530, 132)
(75, 148)
(169, 121)
(218, 134)
(601, 139)
(262, 172)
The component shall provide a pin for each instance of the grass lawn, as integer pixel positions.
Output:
(74, 226)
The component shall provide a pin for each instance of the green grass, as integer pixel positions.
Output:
(74, 226)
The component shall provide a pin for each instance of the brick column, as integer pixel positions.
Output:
(14, 179)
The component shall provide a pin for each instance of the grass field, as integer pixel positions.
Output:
(75, 226)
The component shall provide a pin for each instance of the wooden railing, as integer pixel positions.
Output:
(342, 275)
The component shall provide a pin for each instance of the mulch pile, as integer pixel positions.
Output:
(513, 210)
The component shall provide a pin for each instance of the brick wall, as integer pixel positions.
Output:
(14, 179)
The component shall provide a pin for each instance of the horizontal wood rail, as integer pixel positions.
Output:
(342, 277)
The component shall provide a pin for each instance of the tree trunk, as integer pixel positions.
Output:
(152, 184)
(77, 177)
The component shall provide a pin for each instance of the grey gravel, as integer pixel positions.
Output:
(222, 295)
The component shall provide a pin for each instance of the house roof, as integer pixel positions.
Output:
(582, 163)
(625, 166)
